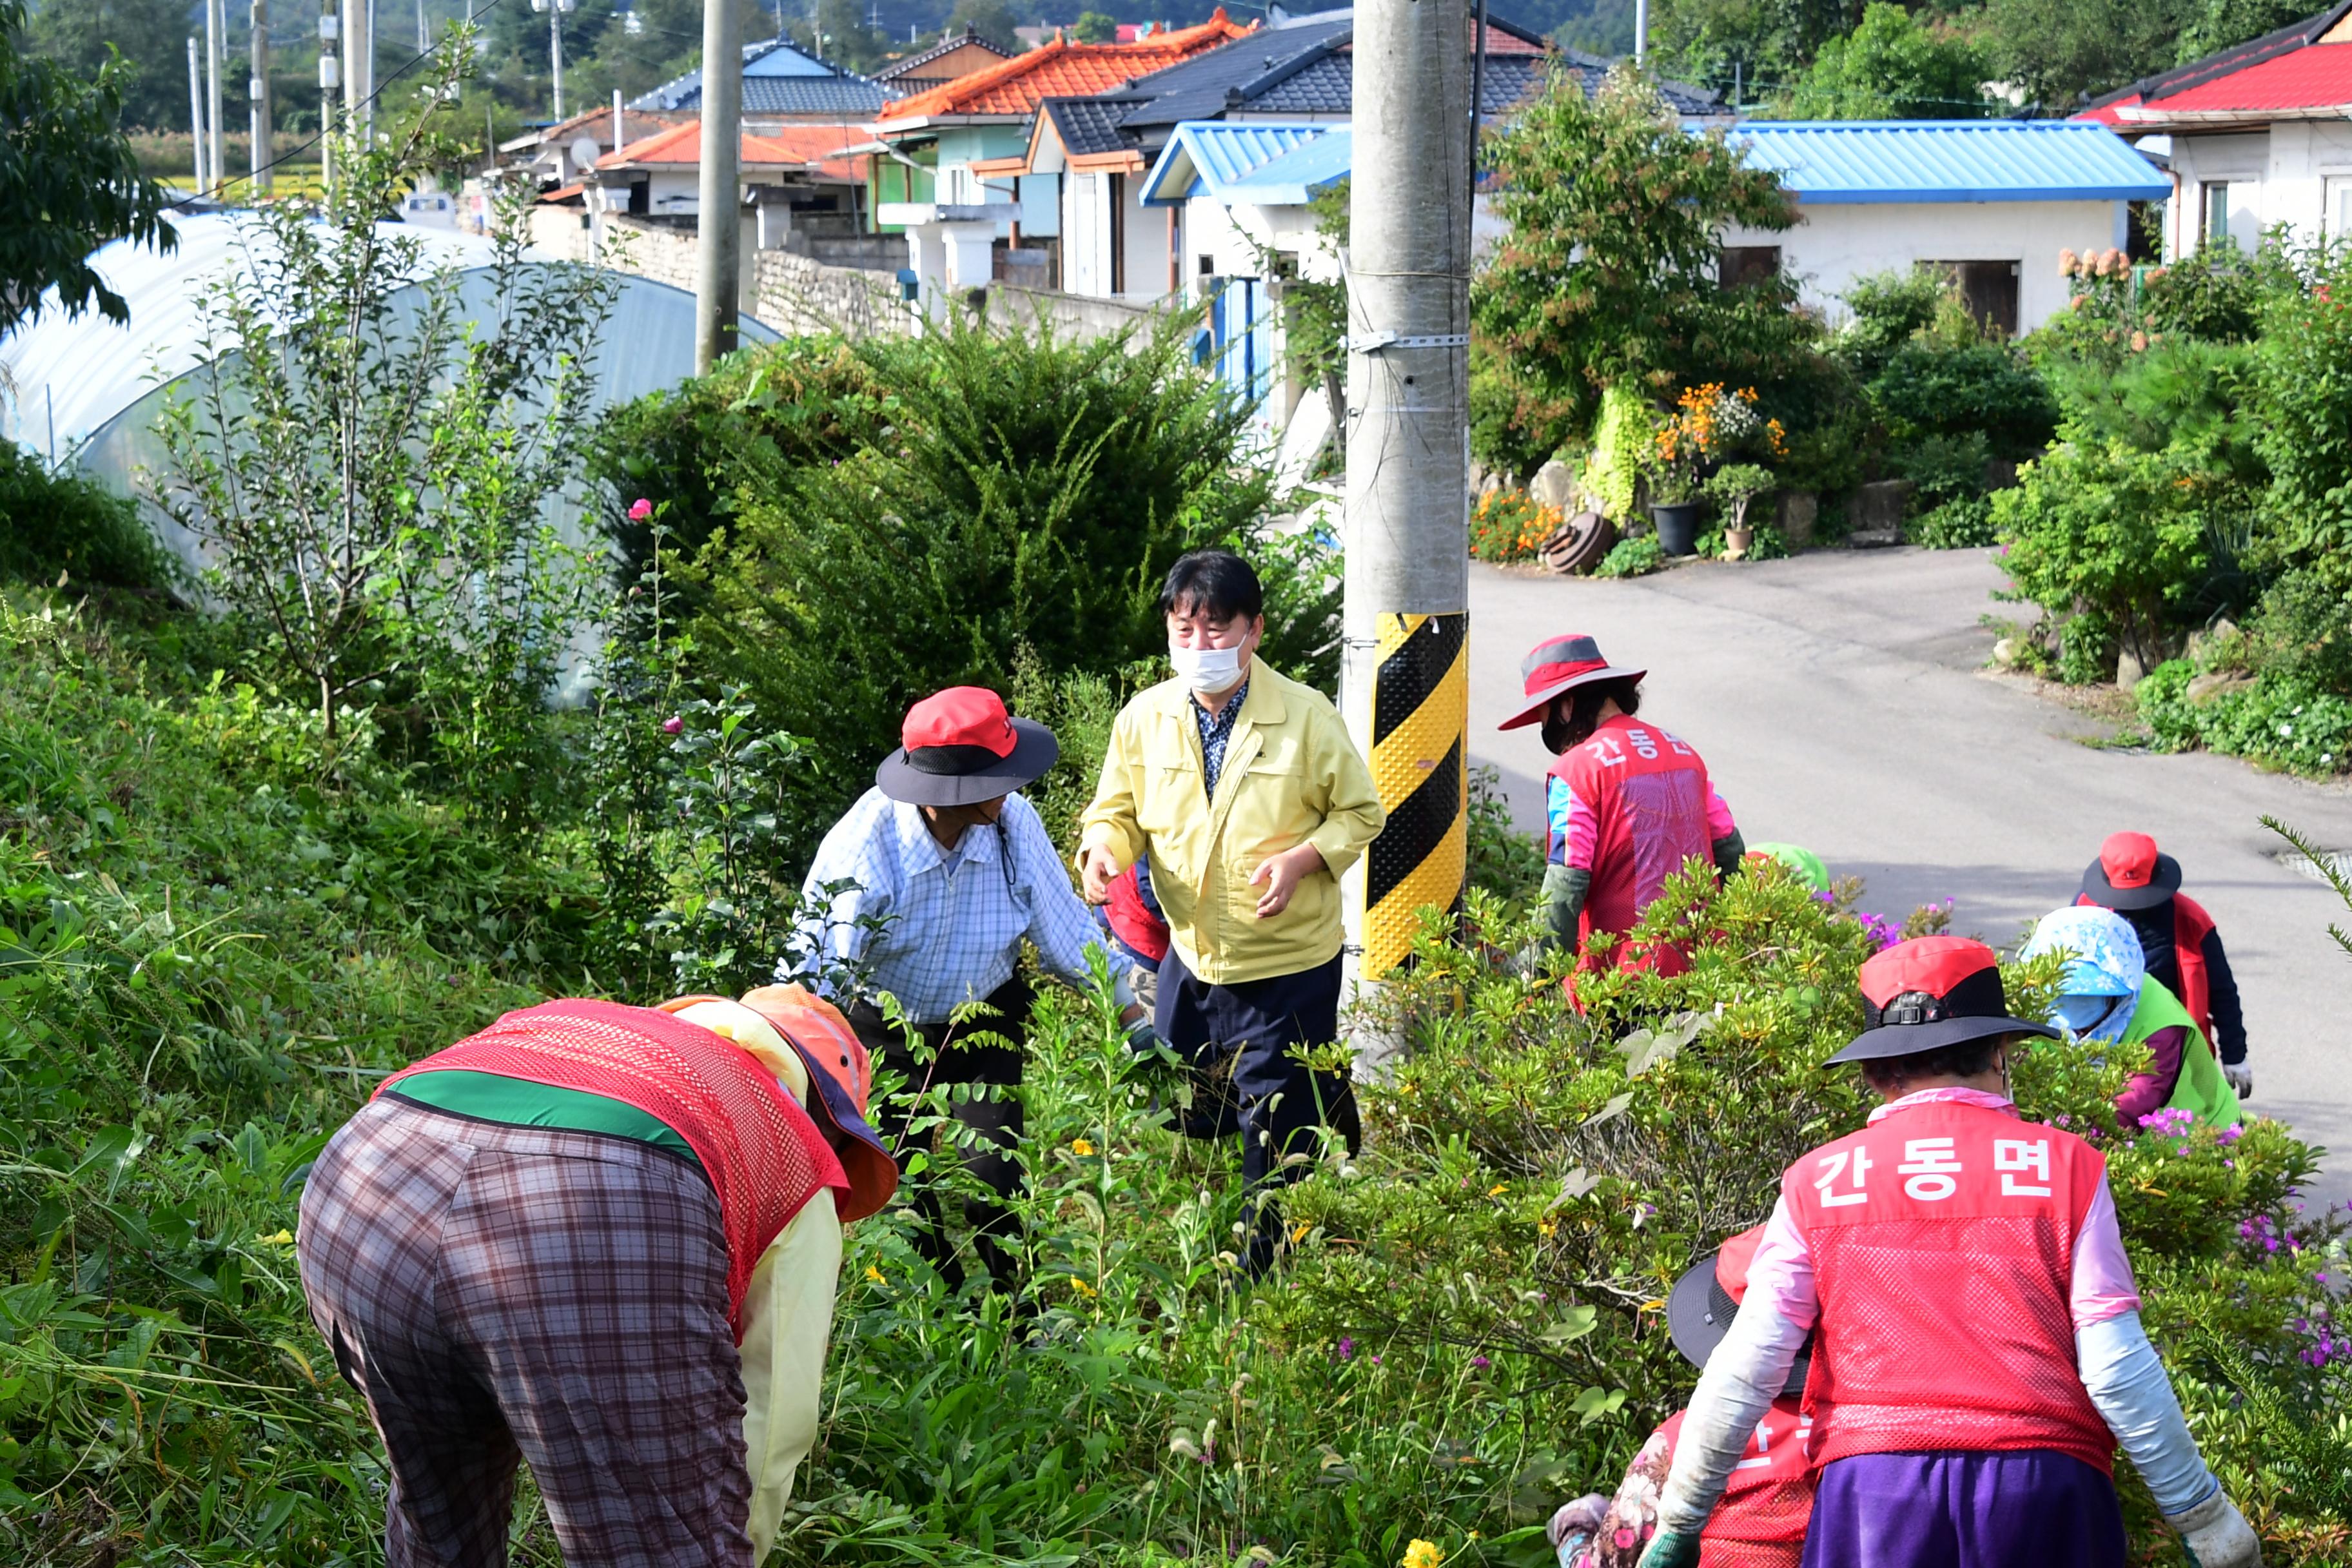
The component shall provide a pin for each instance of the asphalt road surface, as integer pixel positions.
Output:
(1838, 700)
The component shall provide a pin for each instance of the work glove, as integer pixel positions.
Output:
(2241, 1076)
(2215, 1534)
(1142, 1039)
(1673, 1549)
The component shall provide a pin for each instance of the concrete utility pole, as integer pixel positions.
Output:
(718, 236)
(216, 151)
(196, 113)
(1640, 28)
(330, 79)
(1404, 677)
(257, 89)
(359, 63)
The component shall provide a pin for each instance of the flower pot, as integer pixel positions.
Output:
(1677, 526)
(1735, 541)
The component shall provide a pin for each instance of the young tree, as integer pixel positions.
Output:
(1609, 272)
(1095, 27)
(68, 180)
(1892, 67)
(368, 451)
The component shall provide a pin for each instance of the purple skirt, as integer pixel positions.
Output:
(2031, 1508)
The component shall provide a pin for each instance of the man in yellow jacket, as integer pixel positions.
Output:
(1242, 787)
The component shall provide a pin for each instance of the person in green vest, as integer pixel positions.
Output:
(1801, 862)
(2109, 996)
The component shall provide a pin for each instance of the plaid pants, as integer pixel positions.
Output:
(503, 1293)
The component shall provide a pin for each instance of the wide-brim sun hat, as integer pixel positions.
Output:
(2131, 874)
(1703, 1302)
(1558, 665)
(1932, 992)
(810, 1047)
(841, 1076)
(960, 747)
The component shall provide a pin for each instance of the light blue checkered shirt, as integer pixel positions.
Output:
(1216, 730)
(952, 925)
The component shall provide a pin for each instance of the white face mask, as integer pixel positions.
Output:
(1208, 670)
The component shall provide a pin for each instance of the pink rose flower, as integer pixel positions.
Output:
(640, 509)
(671, 726)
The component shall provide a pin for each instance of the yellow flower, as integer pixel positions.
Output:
(1546, 1227)
(283, 1238)
(1080, 1146)
(1422, 1555)
(874, 1274)
(1495, 1191)
(1083, 1288)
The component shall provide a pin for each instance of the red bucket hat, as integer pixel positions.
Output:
(1930, 992)
(1561, 665)
(960, 747)
(2129, 874)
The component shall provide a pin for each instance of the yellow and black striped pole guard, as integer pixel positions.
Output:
(1421, 708)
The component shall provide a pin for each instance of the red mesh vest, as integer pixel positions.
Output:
(764, 1155)
(1943, 1247)
(1769, 1500)
(1648, 792)
(2190, 926)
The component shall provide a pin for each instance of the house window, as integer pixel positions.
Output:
(1208, 266)
(2214, 201)
(1746, 264)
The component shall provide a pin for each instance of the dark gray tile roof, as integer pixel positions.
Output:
(1088, 124)
(1327, 86)
(1209, 84)
(840, 92)
(810, 95)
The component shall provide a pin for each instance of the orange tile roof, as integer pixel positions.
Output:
(790, 146)
(1060, 69)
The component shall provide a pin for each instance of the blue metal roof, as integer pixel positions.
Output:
(1298, 176)
(1212, 157)
(779, 78)
(1864, 161)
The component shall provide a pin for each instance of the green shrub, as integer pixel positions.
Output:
(1964, 522)
(2116, 539)
(1621, 442)
(1631, 558)
(56, 524)
(757, 419)
(1533, 1181)
(2305, 374)
(2276, 719)
(1031, 492)
(2303, 631)
(1929, 388)
(1503, 861)
(1887, 309)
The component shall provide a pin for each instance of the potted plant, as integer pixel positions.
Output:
(1674, 505)
(1732, 488)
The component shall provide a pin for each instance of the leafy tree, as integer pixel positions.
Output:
(1770, 40)
(149, 36)
(1094, 27)
(1892, 67)
(992, 19)
(69, 181)
(2216, 25)
(1609, 270)
(2058, 55)
(367, 452)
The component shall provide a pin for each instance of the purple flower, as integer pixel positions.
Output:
(672, 725)
(1482, 1363)
(2229, 1135)
(1376, 1360)
(1347, 1349)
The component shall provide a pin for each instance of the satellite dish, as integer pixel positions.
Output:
(585, 150)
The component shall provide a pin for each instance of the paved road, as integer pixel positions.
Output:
(1836, 699)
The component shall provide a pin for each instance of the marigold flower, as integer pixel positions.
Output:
(1081, 1146)
(1422, 1555)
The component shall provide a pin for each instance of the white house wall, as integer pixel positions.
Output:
(1835, 245)
(2292, 174)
